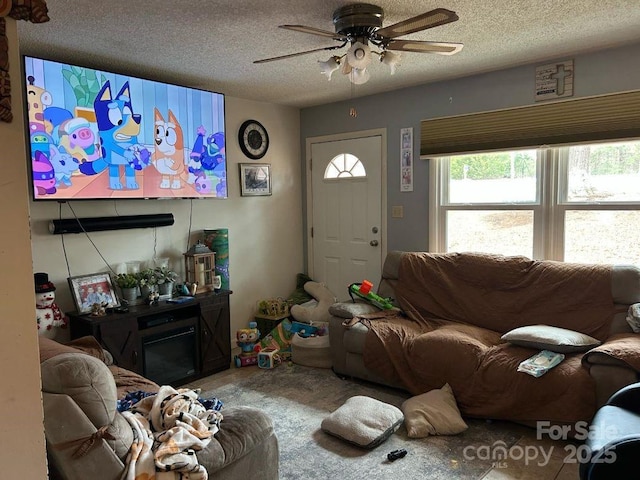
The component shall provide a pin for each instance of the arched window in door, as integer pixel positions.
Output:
(344, 165)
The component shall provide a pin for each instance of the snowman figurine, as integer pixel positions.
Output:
(48, 315)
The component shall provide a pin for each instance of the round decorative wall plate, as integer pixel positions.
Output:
(253, 139)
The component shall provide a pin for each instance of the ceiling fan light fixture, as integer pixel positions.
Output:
(330, 66)
(391, 59)
(359, 25)
(359, 76)
(359, 55)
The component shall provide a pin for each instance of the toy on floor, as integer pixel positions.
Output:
(304, 329)
(314, 311)
(269, 358)
(278, 339)
(363, 290)
(274, 307)
(48, 315)
(246, 339)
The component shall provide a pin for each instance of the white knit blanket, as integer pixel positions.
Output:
(168, 429)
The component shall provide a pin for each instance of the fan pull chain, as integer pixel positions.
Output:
(353, 113)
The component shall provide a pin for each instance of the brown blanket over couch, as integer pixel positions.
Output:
(458, 306)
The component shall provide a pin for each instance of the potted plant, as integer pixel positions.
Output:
(166, 279)
(128, 284)
(148, 282)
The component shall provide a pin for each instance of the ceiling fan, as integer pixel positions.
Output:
(360, 25)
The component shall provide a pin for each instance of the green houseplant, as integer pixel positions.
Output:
(148, 281)
(126, 280)
(166, 279)
(128, 284)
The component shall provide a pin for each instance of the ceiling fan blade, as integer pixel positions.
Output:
(314, 31)
(282, 57)
(439, 16)
(441, 48)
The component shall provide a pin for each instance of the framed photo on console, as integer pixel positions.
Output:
(255, 179)
(88, 290)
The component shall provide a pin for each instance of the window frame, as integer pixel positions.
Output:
(549, 209)
(357, 163)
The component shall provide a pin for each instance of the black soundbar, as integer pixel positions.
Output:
(95, 224)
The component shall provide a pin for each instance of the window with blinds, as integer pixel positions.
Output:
(591, 119)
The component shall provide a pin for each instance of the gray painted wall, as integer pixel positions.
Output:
(596, 73)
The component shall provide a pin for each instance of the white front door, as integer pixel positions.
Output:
(347, 237)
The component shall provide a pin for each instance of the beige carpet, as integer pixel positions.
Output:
(297, 398)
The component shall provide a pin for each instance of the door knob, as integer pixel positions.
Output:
(373, 243)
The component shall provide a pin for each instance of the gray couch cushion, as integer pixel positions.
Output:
(389, 279)
(392, 265)
(88, 381)
(85, 379)
(241, 431)
(354, 338)
(625, 284)
(351, 309)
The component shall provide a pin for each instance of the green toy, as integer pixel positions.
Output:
(363, 290)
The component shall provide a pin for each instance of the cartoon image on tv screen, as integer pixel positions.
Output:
(95, 134)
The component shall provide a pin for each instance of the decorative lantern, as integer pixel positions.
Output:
(199, 266)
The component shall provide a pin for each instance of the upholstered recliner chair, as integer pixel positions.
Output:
(87, 438)
(614, 438)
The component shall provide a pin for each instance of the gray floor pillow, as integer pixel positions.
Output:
(363, 421)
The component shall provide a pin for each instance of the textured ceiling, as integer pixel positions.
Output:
(212, 44)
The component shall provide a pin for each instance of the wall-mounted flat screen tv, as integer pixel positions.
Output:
(95, 134)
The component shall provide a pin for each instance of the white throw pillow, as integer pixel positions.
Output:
(363, 421)
(433, 413)
(546, 337)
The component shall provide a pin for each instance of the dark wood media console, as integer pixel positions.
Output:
(173, 342)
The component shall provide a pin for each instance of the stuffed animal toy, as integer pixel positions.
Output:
(247, 338)
(99, 309)
(315, 310)
(48, 315)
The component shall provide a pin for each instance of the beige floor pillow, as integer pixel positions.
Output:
(433, 413)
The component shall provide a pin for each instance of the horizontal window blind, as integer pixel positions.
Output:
(605, 117)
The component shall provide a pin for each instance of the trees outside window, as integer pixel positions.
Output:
(576, 203)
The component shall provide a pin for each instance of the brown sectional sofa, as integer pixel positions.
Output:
(80, 388)
(457, 307)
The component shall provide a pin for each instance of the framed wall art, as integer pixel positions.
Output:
(406, 160)
(88, 290)
(255, 179)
